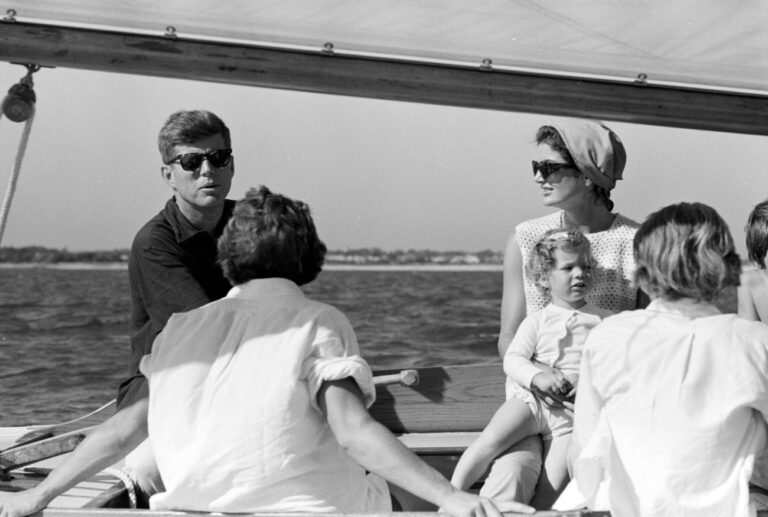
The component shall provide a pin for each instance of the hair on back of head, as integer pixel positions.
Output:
(541, 260)
(270, 236)
(188, 126)
(757, 234)
(685, 250)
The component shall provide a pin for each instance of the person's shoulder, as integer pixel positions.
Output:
(625, 222)
(752, 277)
(537, 226)
(749, 330)
(621, 322)
(324, 311)
(155, 231)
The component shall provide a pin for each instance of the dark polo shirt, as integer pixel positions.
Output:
(172, 268)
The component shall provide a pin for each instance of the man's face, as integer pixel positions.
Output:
(206, 187)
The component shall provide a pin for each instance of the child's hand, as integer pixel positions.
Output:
(553, 388)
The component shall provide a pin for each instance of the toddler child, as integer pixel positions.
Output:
(544, 355)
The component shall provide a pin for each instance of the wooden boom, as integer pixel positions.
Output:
(401, 80)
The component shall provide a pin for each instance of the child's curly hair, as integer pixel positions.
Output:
(541, 260)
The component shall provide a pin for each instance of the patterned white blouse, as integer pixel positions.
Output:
(612, 248)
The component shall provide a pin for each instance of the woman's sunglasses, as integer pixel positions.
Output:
(548, 168)
(193, 161)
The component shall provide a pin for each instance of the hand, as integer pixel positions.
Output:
(553, 388)
(20, 504)
(464, 504)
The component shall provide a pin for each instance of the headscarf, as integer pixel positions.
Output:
(596, 150)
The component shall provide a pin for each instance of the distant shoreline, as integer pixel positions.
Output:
(328, 267)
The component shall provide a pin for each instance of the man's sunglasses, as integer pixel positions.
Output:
(193, 161)
(549, 168)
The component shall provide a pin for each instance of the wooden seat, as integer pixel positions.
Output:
(442, 414)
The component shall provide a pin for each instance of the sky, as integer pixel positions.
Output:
(384, 174)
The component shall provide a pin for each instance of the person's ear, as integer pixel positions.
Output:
(587, 182)
(167, 174)
(543, 281)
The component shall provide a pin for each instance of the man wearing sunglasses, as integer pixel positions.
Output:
(172, 265)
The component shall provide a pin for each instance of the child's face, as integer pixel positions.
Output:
(570, 279)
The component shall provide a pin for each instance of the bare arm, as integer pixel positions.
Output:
(513, 295)
(375, 448)
(105, 445)
(746, 303)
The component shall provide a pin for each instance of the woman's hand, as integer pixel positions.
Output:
(20, 504)
(464, 504)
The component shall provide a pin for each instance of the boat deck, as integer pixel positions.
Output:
(437, 418)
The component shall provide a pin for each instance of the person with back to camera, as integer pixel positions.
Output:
(673, 399)
(172, 265)
(561, 264)
(579, 163)
(753, 290)
(753, 305)
(269, 392)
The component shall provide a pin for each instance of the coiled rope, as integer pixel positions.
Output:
(127, 480)
(15, 175)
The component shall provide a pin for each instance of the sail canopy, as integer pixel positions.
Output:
(569, 58)
(700, 43)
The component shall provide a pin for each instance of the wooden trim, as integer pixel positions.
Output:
(381, 79)
(96, 512)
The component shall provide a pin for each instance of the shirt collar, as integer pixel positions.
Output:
(686, 307)
(265, 287)
(184, 230)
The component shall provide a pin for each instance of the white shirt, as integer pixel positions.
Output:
(233, 417)
(553, 336)
(671, 410)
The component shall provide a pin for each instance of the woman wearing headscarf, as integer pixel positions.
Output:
(578, 164)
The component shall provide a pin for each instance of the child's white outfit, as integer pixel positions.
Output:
(553, 336)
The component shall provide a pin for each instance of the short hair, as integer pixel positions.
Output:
(541, 260)
(551, 136)
(757, 234)
(187, 126)
(685, 250)
(268, 236)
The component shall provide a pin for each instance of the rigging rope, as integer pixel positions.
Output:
(128, 481)
(15, 175)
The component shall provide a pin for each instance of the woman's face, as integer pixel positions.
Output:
(560, 189)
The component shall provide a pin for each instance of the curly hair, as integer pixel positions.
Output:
(685, 250)
(541, 260)
(757, 234)
(548, 135)
(184, 127)
(268, 236)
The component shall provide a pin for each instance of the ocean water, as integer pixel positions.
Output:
(64, 332)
